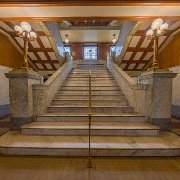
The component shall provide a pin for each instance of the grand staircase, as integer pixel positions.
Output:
(116, 130)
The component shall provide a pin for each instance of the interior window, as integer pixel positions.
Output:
(90, 52)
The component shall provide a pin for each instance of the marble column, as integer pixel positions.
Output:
(21, 97)
(159, 97)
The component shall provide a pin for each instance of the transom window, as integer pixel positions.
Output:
(90, 52)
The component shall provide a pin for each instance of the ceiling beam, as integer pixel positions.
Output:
(128, 30)
(89, 28)
(55, 39)
(87, 2)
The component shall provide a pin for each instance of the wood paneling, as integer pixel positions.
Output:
(77, 51)
(170, 56)
(9, 55)
(103, 51)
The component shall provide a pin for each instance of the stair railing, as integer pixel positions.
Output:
(89, 117)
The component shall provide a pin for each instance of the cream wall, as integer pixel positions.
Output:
(4, 91)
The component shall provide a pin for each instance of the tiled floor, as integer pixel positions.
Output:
(57, 168)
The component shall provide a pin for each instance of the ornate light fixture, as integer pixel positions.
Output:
(24, 31)
(157, 30)
(66, 39)
(114, 40)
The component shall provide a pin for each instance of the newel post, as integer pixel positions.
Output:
(21, 96)
(159, 97)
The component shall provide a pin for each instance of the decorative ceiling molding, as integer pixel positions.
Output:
(133, 27)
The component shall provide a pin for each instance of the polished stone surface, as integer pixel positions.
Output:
(166, 144)
(97, 128)
(21, 96)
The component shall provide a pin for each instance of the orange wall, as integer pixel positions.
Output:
(9, 55)
(170, 56)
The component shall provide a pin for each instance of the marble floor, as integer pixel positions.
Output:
(58, 168)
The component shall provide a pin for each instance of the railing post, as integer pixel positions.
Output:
(89, 117)
(21, 96)
(159, 97)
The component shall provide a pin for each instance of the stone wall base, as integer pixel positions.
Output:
(17, 122)
(163, 123)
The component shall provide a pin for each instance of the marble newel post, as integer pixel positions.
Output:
(21, 98)
(159, 97)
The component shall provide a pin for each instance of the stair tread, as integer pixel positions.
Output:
(100, 106)
(94, 125)
(93, 114)
(166, 140)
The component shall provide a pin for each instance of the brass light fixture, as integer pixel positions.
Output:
(157, 30)
(24, 31)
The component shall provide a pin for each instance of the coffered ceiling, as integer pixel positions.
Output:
(41, 53)
(139, 50)
(136, 56)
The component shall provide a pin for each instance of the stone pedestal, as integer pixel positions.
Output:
(21, 98)
(159, 97)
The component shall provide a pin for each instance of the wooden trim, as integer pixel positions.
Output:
(87, 18)
(91, 2)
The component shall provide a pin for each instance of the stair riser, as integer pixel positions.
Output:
(98, 84)
(92, 92)
(86, 102)
(85, 132)
(92, 79)
(87, 75)
(68, 110)
(95, 119)
(94, 109)
(62, 96)
(87, 85)
(94, 152)
(112, 110)
(87, 88)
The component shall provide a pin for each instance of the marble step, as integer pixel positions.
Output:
(96, 117)
(95, 74)
(166, 144)
(97, 129)
(93, 92)
(86, 102)
(101, 97)
(87, 88)
(93, 84)
(85, 108)
(83, 78)
(92, 76)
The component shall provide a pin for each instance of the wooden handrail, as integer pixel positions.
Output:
(89, 116)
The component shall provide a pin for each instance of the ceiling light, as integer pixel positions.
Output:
(114, 40)
(66, 39)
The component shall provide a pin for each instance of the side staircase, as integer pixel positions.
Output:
(116, 130)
